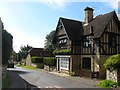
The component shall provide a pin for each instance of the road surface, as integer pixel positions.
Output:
(43, 79)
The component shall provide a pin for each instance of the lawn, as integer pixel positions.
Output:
(6, 82)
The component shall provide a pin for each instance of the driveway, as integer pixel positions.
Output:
(43, 79)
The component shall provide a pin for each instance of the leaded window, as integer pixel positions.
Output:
(87, 42)
(86, 63)
(112, 40)
(64, 63)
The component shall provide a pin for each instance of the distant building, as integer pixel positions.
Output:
(36, 53)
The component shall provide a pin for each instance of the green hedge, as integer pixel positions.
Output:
(107, 84)
(113, 62)
(37, 59)
(49, 61)
(64, 51)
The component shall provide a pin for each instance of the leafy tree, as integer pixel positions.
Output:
(48, 42)
(113, 62)
(24, 51)
(14, 56)
(6, 46)
(18, 58)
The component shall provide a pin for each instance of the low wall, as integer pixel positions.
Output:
(38, 65)
(64, 71)
(50, 68)
(113, 75)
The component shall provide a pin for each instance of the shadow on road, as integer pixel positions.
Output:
(18, 83)
(30, 86)
(19, 72)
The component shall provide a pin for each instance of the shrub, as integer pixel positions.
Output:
(113, 62)
(64, 51)
(72, 73)
(37, 59)
(107, 84)
(49, 61)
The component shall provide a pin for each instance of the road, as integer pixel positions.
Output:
(43, 79)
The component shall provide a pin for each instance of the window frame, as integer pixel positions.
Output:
(84, 65)
(87, 42)
(112, 43)
(64, 63)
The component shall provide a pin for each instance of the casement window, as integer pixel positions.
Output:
(62, 41)
(86, 63)
(112, 40)
(64, 63)
(87, 42)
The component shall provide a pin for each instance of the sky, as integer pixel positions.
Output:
(30, 21)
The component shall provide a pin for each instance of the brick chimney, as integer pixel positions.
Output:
(88, 14)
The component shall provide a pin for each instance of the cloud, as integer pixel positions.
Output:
(56, 4)
(60, 4)
(22, 38)
(114, 5)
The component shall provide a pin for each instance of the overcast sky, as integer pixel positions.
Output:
(30, 21)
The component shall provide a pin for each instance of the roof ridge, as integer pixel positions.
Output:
(112, 12)
(70, 19)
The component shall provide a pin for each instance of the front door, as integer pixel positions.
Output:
(86, 67)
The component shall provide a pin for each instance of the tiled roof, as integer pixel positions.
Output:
(73, 28)
(36, 52)
(76, 29)
(99, 23)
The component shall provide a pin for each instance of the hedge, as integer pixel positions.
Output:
(113, 62)
(49, 61)
(37, 59)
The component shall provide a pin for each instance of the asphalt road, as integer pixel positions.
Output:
(43, 79)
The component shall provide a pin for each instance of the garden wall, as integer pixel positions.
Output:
(50, 68)
(38, 65)
(113, 75)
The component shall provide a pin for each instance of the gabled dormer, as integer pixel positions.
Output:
(67, 31)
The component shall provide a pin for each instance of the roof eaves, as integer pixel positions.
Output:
(64, 29)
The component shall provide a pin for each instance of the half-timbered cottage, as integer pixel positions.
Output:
(82, 47)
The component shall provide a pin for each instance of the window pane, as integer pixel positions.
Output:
(86, 63)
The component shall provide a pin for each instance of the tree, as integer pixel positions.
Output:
(6, 46)
(113, 62)
(24, 51)
(14, 56)
(49, 40)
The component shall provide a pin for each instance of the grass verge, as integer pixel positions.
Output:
(28, 67)
(6, 82)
